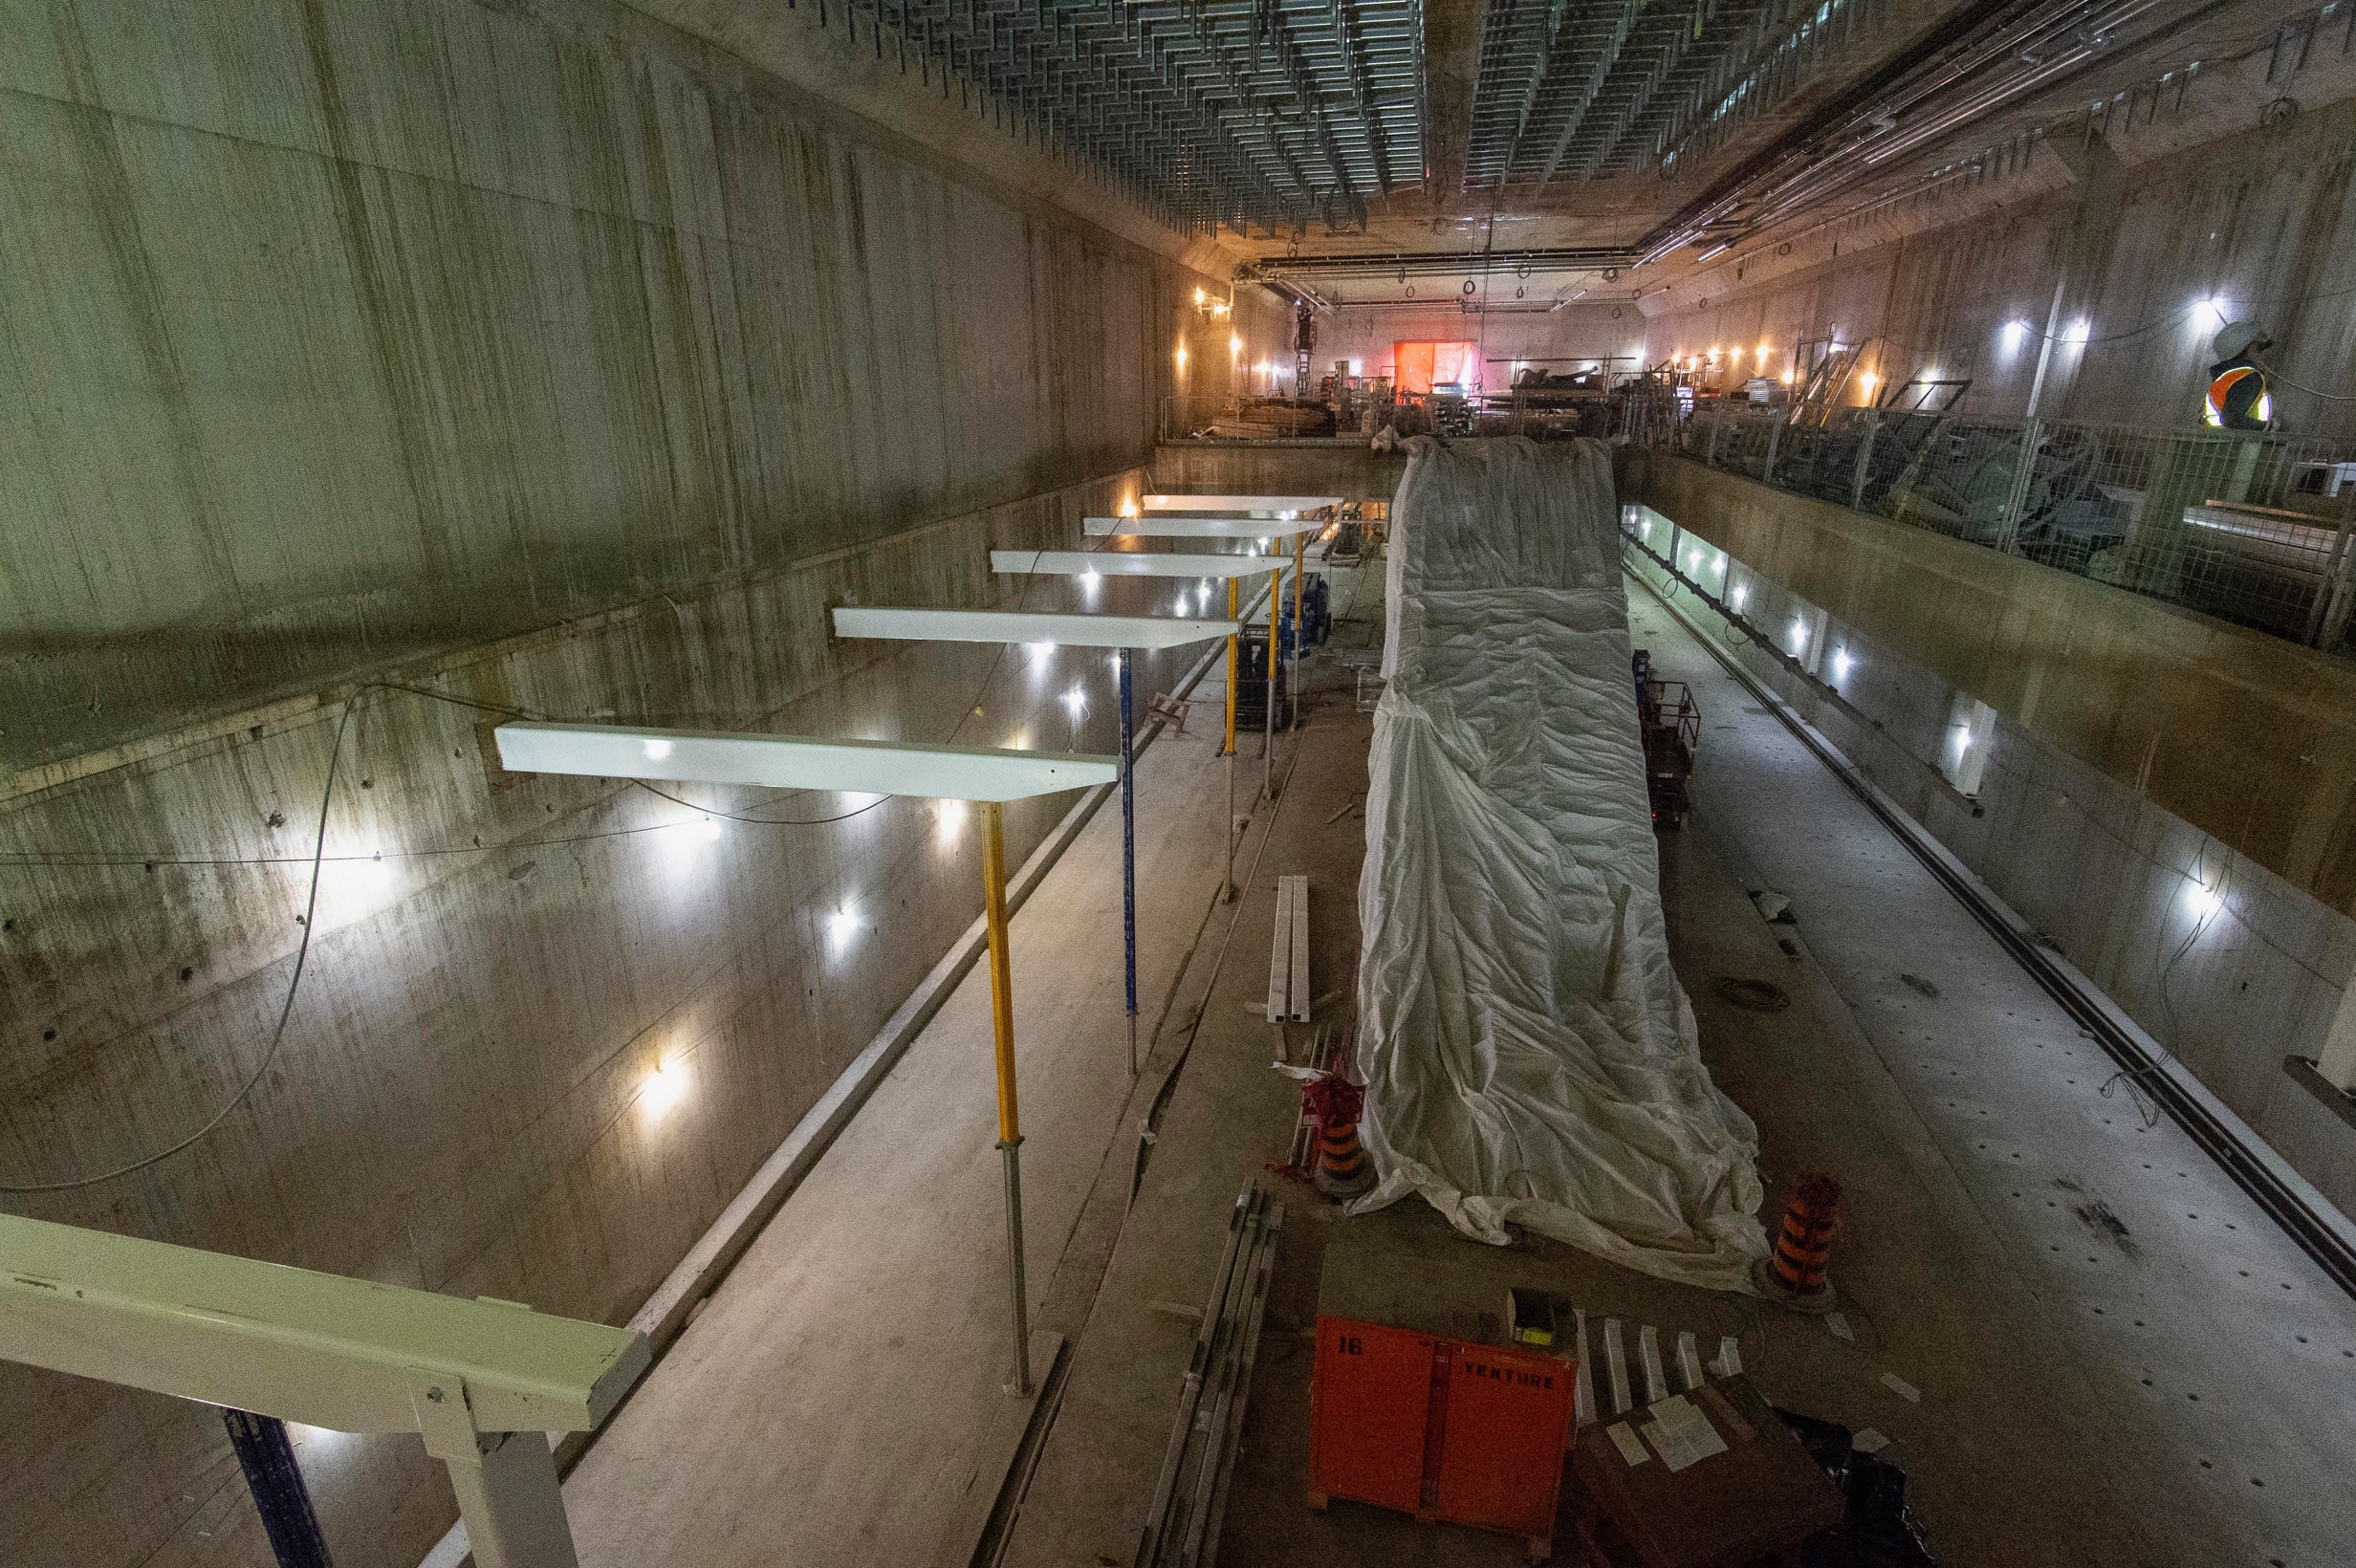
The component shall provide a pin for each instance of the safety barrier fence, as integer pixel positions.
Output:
(2250, 527)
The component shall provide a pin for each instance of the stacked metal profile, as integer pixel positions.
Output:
(1189, 1499)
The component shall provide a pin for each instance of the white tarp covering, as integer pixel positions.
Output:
(1528, 1055)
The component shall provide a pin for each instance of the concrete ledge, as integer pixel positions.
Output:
(2248, 737)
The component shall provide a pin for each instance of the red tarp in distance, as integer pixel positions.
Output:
(1422, 366)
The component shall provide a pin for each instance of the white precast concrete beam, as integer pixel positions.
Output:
(1202, 528)
(798, 762)
(318, 1349)
(1238, 503)
(1128, 563)
(1084, 631)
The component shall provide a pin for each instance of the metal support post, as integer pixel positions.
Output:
(1010, 1119)
(1268, 735)
(1865, 460)
(1774, 438)
(1717, 424)
(2016, 495)
(2017, 490)
(279, 1495)
(1128, 862)
(1299, 541)
(506, 1482)
(2334, 581)
(1234, 599)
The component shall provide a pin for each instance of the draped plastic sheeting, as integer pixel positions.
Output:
(1529, 1056)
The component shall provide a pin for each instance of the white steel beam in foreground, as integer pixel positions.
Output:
(482, 1380)
(796, 762)
(1125, 563)
(1202, 527)
(949, 772)
(1238, 503)
(1085, 631)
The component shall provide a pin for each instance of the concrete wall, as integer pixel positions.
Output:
(339, 332)
(1574, 332)
(538, 357)
(2257, 220)
(2125, 758)
(1345, 467)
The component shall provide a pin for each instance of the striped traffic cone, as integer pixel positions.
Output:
(1343, 1169)
(1793, 1274)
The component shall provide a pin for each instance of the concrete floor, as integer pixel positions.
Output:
(2119, 1361)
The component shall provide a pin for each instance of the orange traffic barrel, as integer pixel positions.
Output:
(1341, 1168)
(1795, 1272)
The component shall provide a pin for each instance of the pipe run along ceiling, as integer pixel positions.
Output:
(1252, 114)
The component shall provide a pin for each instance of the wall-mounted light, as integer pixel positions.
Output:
(948, 820)
(2218, 310)
(841, 927)
(1182, 357)
(1841, 662)
(711, 830)
(663, 1087)
(2203, 901)
(1076, 701)
(1869, 381)
(1235, 346)
(1800, 634)
(1041, 653)
(1742, 591)
(2012, 334)
(2079, 331)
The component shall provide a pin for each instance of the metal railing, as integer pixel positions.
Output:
(2250, 527)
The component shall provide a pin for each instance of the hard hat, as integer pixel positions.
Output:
(2236, 338)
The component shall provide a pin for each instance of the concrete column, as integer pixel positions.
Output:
(2336, 1064)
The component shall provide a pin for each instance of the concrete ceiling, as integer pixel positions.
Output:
(1363, 151)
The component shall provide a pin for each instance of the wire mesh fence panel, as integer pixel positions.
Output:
(2251, 527)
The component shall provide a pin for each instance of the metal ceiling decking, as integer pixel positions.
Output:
(1264, 113)
(1587, 91)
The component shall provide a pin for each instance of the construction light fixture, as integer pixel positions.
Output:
(1182, 357)
(1041, 630)
(2221, 308)
(1841, 662)
(711, 830)
(1219, 506)
(841, 927)
(1800, 634)
(1124, 563)
(1076, 701)
(799, 762)
(2013, 335)
(2079, 331)
(1867, 380)
(948, 820)
(1235, 346)
(664, 1087)
(1164, 525)
(2203, 901)
(1742, 591)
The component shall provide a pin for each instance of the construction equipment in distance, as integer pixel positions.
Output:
(1672, 730)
